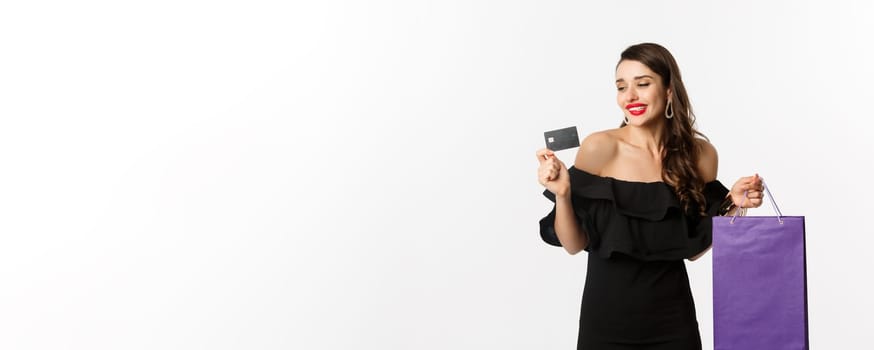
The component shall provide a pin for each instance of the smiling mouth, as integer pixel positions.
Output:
(637, 110)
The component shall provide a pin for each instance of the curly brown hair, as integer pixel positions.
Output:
(680, 148)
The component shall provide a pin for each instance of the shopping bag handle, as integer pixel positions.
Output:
(770, 197)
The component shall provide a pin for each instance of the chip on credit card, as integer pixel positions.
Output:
(560, 139)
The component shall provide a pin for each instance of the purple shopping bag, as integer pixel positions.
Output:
(759, 282)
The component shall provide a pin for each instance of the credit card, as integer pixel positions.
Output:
(560, 139)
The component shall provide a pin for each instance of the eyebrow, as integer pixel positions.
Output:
(635, 78)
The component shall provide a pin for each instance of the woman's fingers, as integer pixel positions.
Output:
(544, 154)
(750, 183)
(550, 166)
(747, 180)
(552, 170)
(547, 172)
(753, 189)
(753, 203)
(556, 168)
(544, 176)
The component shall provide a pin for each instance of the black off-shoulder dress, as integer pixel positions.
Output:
(637, 293)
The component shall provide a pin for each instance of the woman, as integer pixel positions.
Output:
(639, 199)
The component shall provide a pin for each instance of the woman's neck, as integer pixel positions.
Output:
(648, 137)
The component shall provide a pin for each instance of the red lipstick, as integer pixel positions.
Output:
(636, 109)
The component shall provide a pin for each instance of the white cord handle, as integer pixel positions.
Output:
(770, 197)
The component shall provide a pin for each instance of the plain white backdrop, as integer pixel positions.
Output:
(361, 174)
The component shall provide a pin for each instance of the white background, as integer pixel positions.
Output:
(361, 174)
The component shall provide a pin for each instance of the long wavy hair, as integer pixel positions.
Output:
(680, 149)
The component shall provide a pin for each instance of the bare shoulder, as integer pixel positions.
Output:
(708, 160)
(596, 151)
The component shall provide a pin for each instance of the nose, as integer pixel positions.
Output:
(630, 95)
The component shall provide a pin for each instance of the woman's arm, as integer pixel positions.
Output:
(553, 175)
(594, 152)
(568, 230)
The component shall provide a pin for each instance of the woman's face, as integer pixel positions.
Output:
(640, 93)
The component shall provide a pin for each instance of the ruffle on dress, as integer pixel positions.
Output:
(644, 220)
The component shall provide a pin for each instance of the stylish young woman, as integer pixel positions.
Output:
(639, 199)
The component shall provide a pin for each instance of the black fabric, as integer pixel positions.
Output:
(637, 293)
(632, 304)
(644, 220)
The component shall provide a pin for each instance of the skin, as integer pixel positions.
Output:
(631, 153)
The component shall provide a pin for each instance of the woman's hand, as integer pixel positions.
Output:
(754, 189)
(552, 173)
